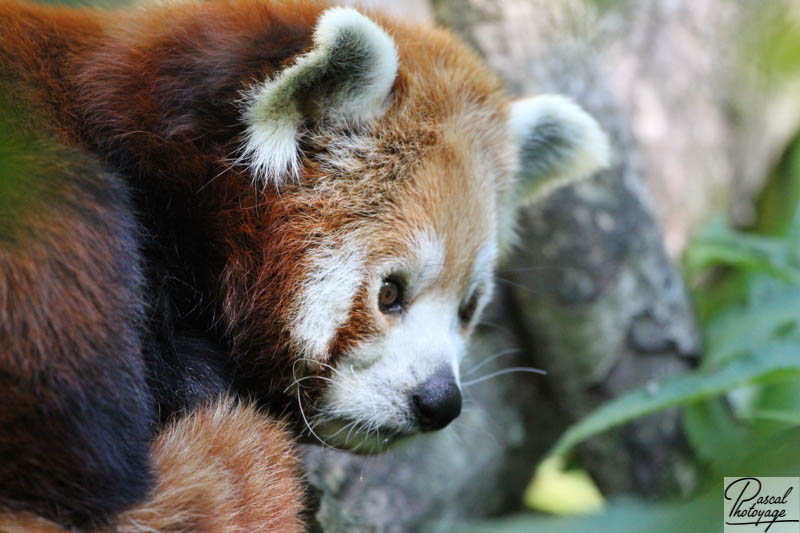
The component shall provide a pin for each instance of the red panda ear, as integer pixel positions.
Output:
(558, 143)
(344, 80)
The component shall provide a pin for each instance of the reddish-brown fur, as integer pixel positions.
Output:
(154, 93)
(144, 84)
(222, 469)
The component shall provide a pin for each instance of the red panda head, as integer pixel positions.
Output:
(356, 194)
(396, 155)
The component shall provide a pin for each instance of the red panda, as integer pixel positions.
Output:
(231, 222)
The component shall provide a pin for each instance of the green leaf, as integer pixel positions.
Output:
(771, 40)
(714, 296)
(778, 203)
(784, 417)
(772, 313)
(714, 434)
(717, 245)
(774, 362)
(775, 408)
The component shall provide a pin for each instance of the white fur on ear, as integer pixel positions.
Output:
(558, 142)
(344, 80)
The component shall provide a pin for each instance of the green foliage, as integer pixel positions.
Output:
(624, 516)
(605, 5)
(771, 39)
(778, 361)
(776, 457)
(717, 245)
(777, 207)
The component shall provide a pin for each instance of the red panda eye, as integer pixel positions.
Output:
(390, 297)
(467, 310)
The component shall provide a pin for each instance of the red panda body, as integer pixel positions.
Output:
(98, 291)
(293, 205)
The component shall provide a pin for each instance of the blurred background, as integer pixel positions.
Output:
(662, 297)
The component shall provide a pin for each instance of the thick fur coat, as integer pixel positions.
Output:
(223, 223)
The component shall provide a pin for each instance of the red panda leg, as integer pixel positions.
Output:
(77, 417)
(223, 468)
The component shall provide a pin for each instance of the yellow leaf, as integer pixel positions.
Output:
(558, 491)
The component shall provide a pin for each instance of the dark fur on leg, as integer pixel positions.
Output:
(224, 468)
(77, 417)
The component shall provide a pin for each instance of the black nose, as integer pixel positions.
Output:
(436, 402)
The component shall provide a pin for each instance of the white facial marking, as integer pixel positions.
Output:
(429, 260)
(483, 268)
(334, 275)
(425, 339)
(375, 379)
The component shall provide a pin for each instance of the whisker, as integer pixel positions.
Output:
(220, 173)
(489, 324)
(540, 268)
(350, 433)
(523, 369)
(317, 363)
(294, 371)
(305, 420)
(297, 381)
(344, 427)
(510, 351)
(518, 285)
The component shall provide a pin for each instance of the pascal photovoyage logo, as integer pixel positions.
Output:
(761, 504)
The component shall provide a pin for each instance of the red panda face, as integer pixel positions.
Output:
(403, 377)
(388, 167)
(391, 305)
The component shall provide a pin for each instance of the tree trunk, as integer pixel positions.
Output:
(596, 299)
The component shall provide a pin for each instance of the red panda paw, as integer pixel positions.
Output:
(224, 468)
